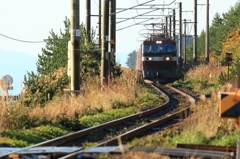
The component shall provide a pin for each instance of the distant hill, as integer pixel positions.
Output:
(189, 40)
(16, 64)
(122, 58)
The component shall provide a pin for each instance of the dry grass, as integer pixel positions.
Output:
(123, 89)
(209, 72)
(205, 118)
(139, 155)
(3, 105)
(120, 90)
(12, 116)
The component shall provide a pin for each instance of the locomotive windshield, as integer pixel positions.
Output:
(156, 48)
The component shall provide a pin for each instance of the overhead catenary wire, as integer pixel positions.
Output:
(190, 30)
(153, 8)
(96, 3)
(20, 40)
(212, 7)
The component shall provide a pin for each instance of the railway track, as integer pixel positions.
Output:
(149, 120)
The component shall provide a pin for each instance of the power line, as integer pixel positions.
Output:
(96, 4)
(20, 40)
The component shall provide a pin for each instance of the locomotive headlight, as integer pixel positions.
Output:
(158, 42)
(167, 58)
(149, 58)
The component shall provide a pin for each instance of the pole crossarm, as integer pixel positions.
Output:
(187, 20)
(55, 40)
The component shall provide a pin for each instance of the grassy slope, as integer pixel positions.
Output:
(204, 126)
(61, 117)
(23, 126)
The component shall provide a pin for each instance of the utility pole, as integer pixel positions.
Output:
(185, 42)
(180, 35)
(74, 45)
(88, 19)
(166, 21)
(207, 32)
(195, 32)
(99, 23)
(174, 24)
(112, 29)
(164, 30)
(170, 27)
(105, 39)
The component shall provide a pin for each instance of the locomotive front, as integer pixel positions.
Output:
(159, 59)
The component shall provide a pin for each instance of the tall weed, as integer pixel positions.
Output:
(124, 89)
(205, 72)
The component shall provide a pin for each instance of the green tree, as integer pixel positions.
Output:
(131, 61)
(51, 77)
(217, 20)
(55, 55)
(218, 31)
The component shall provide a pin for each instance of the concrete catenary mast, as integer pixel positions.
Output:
(180, 35)
(105, 39)
(74, 45)
(207, 33)
(88, 20)
(195, 32)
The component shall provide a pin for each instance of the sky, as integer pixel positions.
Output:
(32, 20)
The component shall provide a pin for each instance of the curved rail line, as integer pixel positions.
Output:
(143, 128)
(130, 134)
(81, 133)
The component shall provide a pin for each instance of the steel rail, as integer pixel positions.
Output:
(141, 129)
(81, 133)
(207, 147)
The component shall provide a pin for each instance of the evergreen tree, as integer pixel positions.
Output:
(217, 33)
(131, 61)
(217, 20)
(221, 25)
(55, 55)
(201, 46)
(51, 77)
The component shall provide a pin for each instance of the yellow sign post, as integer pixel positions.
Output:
(230, 104)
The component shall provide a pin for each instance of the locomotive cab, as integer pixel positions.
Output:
(159, 59)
